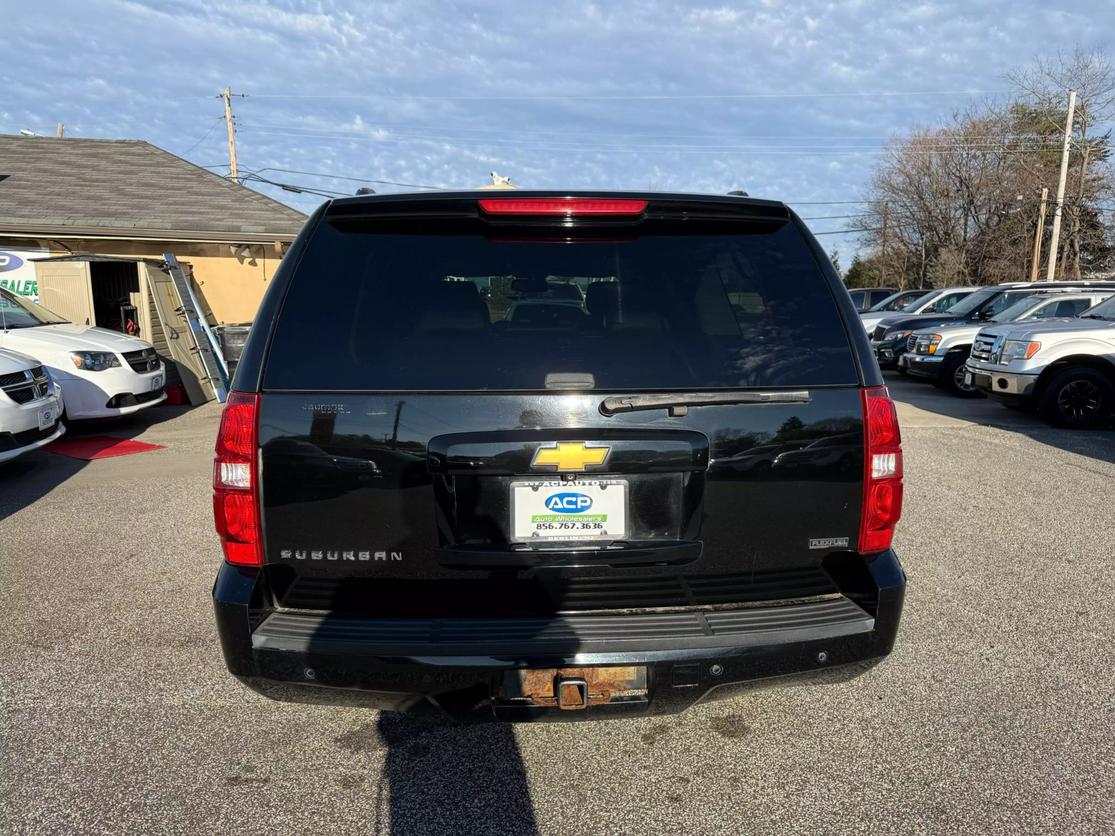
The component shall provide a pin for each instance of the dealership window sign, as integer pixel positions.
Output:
(17, 272)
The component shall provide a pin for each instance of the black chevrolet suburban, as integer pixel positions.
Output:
(535, 455)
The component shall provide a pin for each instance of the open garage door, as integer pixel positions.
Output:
(65, 289)
(170, 328)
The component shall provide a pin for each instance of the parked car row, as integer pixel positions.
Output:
(1049, 345)
(53, 371)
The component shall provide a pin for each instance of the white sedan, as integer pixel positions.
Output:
(30, 405)
(102, 373)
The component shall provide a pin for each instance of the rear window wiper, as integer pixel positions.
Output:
(678, 403)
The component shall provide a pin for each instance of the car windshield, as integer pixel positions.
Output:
(974, 302)
(17, 312)
(913, 304)
(1104, 310)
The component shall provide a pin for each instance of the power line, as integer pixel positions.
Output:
(204, 137)
(864, 229)
(504, 138)
(990, 137)
(627, 148)
(710, 145)
(292, 187)
(353, 179)
(642, 97)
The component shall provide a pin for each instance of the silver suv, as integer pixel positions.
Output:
(939, 353)
(1064, 367)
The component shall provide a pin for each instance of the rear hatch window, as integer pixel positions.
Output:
(441, 306)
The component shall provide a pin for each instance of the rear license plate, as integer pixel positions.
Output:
(47, 417)
(156, 383)
(549, 509)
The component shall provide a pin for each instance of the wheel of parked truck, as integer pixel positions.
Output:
(952, 376)
(1077, 398)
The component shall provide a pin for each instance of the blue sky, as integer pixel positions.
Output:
(785, 100)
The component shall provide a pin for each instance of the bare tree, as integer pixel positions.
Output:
(1045, 83)
(961, 203)
(944, 204)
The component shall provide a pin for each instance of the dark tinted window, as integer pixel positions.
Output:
(1067, 307)
(946, 301)
(897, 301)
(369, 309)
(988, 301)
(878, 296)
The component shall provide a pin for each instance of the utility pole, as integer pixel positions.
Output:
(227, 95)
(395, 425)
(1055, 238)
(1038, 234)
(883, 245)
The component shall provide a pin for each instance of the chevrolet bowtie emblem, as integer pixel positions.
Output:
(568, 456)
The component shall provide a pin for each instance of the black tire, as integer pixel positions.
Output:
(1077, 398)
(952, 376)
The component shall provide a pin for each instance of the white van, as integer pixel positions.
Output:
(102, 373)
(30, 405)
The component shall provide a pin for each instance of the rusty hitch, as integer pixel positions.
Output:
(573, 689)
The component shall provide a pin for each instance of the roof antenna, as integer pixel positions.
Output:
(737, 193)
(365, 190)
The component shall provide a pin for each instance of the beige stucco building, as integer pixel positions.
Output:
(60, 197)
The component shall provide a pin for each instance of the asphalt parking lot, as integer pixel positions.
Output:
(996, 713)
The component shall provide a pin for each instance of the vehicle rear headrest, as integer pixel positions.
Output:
(602, 298)
(453, 306)
(637, 312)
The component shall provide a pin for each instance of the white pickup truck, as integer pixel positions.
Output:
(939, 354)
(1064, 367)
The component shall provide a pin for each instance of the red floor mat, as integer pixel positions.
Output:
(99, 447)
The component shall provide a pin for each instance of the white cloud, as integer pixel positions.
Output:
(343, 87)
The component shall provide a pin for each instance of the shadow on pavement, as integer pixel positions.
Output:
(445, 777)
(33, 475)
(926, 398)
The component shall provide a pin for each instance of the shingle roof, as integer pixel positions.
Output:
(130, 187)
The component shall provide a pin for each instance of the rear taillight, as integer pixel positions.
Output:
(563, 206)
(882, 478)
(235, 482)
